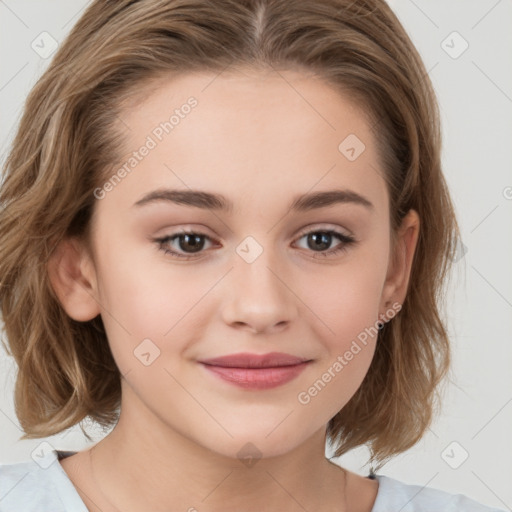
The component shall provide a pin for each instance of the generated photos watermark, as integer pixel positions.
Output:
(156, 136)
(305, 397)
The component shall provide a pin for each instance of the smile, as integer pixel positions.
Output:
(253, 371)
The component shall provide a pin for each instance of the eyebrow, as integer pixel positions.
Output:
(218, 202)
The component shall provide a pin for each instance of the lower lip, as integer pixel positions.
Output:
(257, 378)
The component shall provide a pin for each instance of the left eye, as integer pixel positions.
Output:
(323, 238)
(193, 241)
(186, 240)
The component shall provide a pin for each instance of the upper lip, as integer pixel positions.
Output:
(247, 360)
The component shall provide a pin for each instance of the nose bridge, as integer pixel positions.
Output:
(259, 297)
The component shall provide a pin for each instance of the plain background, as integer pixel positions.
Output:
(468, 448)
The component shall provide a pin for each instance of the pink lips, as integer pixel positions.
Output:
(256, 371)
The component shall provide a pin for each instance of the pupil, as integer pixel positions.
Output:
(193, 241)
(322, 241)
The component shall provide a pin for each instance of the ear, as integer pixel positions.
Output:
(399, 269)
(73, 278)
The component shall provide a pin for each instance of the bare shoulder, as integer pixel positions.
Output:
(74, 464)
(77, 468)
(361, 492)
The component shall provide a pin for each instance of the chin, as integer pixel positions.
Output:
(252, 444)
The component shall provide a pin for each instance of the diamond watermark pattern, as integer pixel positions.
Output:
(460, 251)
(249, 455)
(146, 352)
(454, 455)
(41, 455)
(351, 147)
(454, 45)
(249, 249)
(44, 45)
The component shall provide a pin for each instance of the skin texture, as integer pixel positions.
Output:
(260, 142)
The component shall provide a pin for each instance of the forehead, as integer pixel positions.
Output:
(260, 102)
(248, 130)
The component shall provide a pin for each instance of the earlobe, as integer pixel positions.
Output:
(73, 279)
(399, 271)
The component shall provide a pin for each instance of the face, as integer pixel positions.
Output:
(181, 280)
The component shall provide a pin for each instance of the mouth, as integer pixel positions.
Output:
(254, 371)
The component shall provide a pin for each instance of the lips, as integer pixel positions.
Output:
(256, 371)
(246, 360)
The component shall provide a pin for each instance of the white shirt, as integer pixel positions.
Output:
(44, 486)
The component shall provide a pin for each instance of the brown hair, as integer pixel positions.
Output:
(65, 143)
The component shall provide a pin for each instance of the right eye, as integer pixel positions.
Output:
(186, 240)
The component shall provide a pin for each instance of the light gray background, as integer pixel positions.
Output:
(475, 95)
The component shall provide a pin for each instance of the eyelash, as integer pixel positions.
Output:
(346, 240)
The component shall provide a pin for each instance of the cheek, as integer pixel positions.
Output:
(345, 303)
(345, 300)
(348, 333)
(142, 301)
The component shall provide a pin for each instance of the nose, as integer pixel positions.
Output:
(259, 296)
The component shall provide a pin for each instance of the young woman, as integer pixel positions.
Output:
(224, 232)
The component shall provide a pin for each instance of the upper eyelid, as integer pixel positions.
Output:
(302, 233)
(324, 228)
(310, 229)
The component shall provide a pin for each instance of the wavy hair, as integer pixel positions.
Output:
(65, 143)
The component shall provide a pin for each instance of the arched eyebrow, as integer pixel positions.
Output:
(213, 201)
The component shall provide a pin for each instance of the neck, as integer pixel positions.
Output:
(176, 473)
